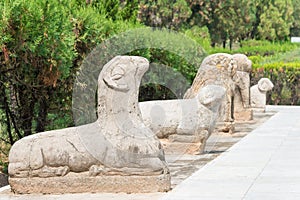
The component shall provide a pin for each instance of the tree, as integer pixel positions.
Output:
(276, 20)
(240, 19)
(42, 45)
(213, 15)
(36, 55)
(163, 13)
(225, 19)
(295, 29)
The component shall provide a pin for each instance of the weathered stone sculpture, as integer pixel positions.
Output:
(185, 120)
(258, 93)
(117, 153)
(241, 104)
(217, 69)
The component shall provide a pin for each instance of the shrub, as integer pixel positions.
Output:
(200, 35)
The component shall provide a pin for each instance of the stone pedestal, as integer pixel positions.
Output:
(194, 144)
(3, 180)
(74, 183)
(243, 115)
(180, 148)
(259, 110)
(227, 127)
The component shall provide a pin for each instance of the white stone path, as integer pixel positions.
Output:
(264, 165)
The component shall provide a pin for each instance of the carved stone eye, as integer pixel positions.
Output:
(117, 73)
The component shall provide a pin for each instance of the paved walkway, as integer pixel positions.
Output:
(263, 165)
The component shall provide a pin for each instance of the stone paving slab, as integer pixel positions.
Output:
(263, 165)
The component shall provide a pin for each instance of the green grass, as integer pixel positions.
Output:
(286, 57)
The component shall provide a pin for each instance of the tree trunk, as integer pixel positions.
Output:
(26, 109)
(224, 44)
(256, 23)
(8, 124)
(42, 115)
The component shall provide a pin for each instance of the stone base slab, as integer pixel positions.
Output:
(3, 180)
(179, 148)
(83, 184)
(259, 110)
(243, 115)
(184, 138)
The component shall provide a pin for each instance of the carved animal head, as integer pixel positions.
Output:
(124, 73)
(222, 62)
(118, 85)
(211, 96)
(264, 85)
(243, 63)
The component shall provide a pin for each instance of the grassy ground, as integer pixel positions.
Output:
(291, 56)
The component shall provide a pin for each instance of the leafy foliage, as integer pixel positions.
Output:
(295, 29)
(276, 20)
(164, 13)
(42, 46)
(36, 57)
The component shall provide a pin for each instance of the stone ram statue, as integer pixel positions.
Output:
(258, 93)
(185, 120)
(217, 69)
(117, 153)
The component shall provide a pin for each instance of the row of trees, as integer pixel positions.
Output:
(227, 20)
(43, 43)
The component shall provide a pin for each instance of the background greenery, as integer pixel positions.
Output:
(43, 44)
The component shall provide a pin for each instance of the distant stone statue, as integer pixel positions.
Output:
(117, 153)
(258, 93)
(217, 69)
(242, 110)
(185, 120)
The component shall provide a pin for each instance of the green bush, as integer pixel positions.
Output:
(256, 59)
(4, 166)
(42, 45)
(36, 56)
(200, 35)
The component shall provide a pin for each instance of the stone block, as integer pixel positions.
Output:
(83, 183)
